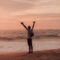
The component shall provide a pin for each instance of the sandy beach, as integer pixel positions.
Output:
(37, 55)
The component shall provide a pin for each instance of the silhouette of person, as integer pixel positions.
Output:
(30, 35)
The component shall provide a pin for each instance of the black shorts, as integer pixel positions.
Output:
(29, 40)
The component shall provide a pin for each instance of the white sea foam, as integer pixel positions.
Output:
(21, 46)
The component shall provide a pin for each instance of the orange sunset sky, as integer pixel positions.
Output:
(46, 13)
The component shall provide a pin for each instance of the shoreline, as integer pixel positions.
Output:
(21, 46)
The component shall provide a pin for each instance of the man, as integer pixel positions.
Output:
(30, 35)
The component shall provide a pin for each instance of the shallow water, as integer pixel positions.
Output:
(21, 46)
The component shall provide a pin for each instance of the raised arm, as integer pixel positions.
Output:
(33, 25)
(23, 25)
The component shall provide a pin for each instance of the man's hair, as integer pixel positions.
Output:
(29, 27)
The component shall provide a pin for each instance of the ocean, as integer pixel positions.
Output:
(15, 41)
(18, 35)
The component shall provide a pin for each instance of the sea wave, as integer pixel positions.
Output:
(13, 35)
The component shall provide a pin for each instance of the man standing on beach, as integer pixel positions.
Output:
(30, 35)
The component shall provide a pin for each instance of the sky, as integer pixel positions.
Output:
(12, 12)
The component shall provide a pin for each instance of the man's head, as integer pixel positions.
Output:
(29, 27)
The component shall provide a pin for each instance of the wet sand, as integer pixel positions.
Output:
(21, 45)
(44, 49)
(37, 55)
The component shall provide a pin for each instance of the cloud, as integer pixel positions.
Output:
(14, 5)
(22, 7)
(10, 9)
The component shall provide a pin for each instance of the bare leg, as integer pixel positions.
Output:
(30, 45)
